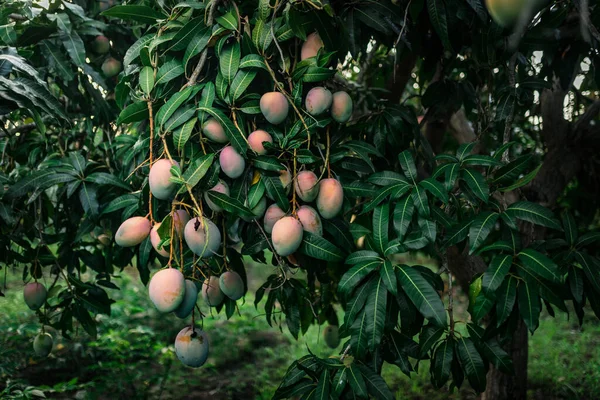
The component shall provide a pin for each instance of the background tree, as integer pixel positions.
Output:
(508, 133)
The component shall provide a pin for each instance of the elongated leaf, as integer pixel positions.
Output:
(388, 277)
(491, 349)
(435, 188)
(235, 135)
(534, 213)
(591, 269)
(357, 302)
(442, 362)
(381, 217)
(182, 135)
(457, 233)
(375, 313)
(506, 295)
(438, 18)
(127, 200)
(168, 71)
(169, 108)
(133, 113)
(320, 248)
(198, 169)
(196, 45)
(480, 229)
(522, 181)
(229, 204)
(476, 182)
(408, 165)
(362, 256)
(570, 227)
(376, 386)
(357, 383)
(253, 61)
(229, 61)
(37, 181)
(420, 200)
(483, 160)
(422, 294)
(430, 334)
(103, 178)
(529, 304)
(143, 14)
(496, 272)
(402, 215)
(147, 79)
(471, 363)
(240, 83)
(74, 46)
(538, 264)
(355, 275)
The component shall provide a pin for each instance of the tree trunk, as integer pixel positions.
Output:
(502, 386)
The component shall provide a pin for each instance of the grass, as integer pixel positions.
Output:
(133, 356)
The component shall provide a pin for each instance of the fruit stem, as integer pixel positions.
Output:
(327, 153)
(294, 178)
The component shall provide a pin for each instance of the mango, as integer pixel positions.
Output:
(332, 336)
(330, 198)
(34, 294)
(341, 107)
(307, 186)
(286, 236)
(272, 215)
(213, 130)
(111, 67)
(256, 139)
(101, 45)
(155, 240)
(42, 345)
(211, 292)
(274, 106)
(311, 47)
(203, 239)
(220, 187)
(167, 289)
(180, 218)
(231, 285)
(189, 300)
(133, 231)
(505, 12)
(310, 220)
(232, 163)
(318, 100)
(191, 347)
(158, 179)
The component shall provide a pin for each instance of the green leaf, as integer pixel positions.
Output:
(491, 349)
(476, 182)
(395, 191)
(317, 74)
(428, 229)
(323, 387)
(376, 386)
(381, 216)
(57, 60)
(75, 48)
(480, 229)
(168, 71)
(196, 45)
(355, 275)
(357, 383)
(429, 335)
(529, 304)
(408, 165)
(197, 169)
(182, 135)
(438, 18)
(235, 136)
(472, 363)
(477, 159)
(533, 213)
(186, 34)
(362, 256)
(228, 21)
(457, 233)
(169, 108)
(540, 265)
(442, 362)
(240, 83)
(104, 178)
(124, 201)
(88, 196)
(134, 112)
(181, 116)
(420, 200)
(403, 215)
(253, 61)
(422, 294)
(481, 306)
(143, 14)
(317, 247)
(375, 313)
(37, 181)
(268, 163)
(506, 295)
(588, 238)
(389, 277)
(229, 61)
(229, 204)
(435, 188)
(591, 269)
(570, 227)
(147, 79)
(386, 178)
(464, 150)
(340, 380)
(496, 272)
(522, 181)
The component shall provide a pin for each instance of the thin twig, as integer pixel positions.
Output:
(204, 55)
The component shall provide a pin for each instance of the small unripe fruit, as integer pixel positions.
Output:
(101, 45)
(274, 106)
(318, 100)
(341, 107)
(155, 240)
(211, 292)
(167, 289)
(133, 231)
(189, 300)
(42, 344)
(287, 236)
(272, 215)
(204, 239)
(256, 139)
(159, 179)
(311, 47)
(213, 130)
(191, 347)
(111, 67)
(220, 187)
(104, 239)
(310, 220)
(232, 163)
(231, 285)
(505, 12)
(331, 336)
(307, 185)
(34, 294)
(180, 218)
(330, 198)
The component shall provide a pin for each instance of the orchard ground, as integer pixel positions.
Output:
(133, 356)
